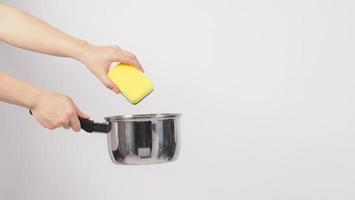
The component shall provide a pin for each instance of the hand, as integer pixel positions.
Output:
(53, 110)
(98, 60)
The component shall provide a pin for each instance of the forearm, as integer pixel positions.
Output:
(17, 92)
(25, 31)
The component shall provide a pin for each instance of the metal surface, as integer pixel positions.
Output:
(143, 117)
(144, 139)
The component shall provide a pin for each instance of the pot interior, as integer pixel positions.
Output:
(143, 117)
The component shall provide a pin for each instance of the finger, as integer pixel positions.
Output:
(65, 123)
(75, 123)
(80, 113)
(126, 57)
(44, 123)
(132, 60)
(50, 126)
(108, 83)
(66, 126)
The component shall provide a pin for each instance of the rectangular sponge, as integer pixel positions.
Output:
(133, 84)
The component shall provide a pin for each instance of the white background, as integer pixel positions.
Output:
(267, 90)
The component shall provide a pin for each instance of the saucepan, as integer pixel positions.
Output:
(139, 139)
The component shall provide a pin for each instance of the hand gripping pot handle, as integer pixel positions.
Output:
(91, 126)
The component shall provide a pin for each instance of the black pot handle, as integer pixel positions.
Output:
(91, 126)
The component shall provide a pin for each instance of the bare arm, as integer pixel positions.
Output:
(50, 109)
(17, 92)
(25, 31)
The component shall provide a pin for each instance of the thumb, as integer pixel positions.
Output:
(108, 83)
(80, 114)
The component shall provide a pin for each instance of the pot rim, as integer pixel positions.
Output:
(143, 117)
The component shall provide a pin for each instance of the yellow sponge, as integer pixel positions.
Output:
(133, 84)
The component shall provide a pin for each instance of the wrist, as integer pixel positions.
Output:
(81, 51)
(32, 98)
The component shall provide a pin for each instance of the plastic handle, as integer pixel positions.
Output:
(91, 126)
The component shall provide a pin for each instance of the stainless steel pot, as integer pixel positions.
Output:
(140, 139)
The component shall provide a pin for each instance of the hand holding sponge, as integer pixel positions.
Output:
(133, 84)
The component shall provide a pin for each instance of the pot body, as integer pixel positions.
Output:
(144, 139)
